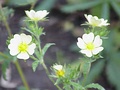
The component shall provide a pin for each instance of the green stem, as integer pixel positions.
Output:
(2, 54)
(37, 37)
(33, 5)
(84, 80)
(16, 63)
(47, 72)
(22, 75)
(42, 61)
(5, 21)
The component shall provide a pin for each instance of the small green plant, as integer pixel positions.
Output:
(64, 77)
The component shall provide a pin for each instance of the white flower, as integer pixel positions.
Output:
(59, 70)
(89, 44)
(58, 67)
(21, 46)
(95, 21)
(36, 16)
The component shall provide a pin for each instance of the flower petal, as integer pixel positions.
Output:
(30, 14)
(26, 38)
(31, 48)
(58, 67)
(88, 38)
(97, 42)
(87, 52)
(97, 50)
(81, 43)
(23, 55)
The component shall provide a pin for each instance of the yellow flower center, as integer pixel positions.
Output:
(23, 47)
(60, 73)
(90, 46)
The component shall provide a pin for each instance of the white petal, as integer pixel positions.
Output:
(26, 38)
(58, 67)
(13, 49)
(97, 42)
(31, 48)
(16, 39)
(87, 53)
(30, 14)
(88, 38)
(23, 56)
(88, 17)
(43, 13)
(97, 50)
(81, 44)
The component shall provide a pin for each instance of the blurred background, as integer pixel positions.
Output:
(63, 28)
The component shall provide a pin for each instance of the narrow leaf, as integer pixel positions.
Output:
(77, 86)
(46, 5)
(105, 11)
(20, 2)
(45, 48)
(116, 7)
(96, 86)
(80, 6)
(35, 65)
(85, 67)
(95, 71)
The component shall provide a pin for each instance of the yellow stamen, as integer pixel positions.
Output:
(23, 47)
(90, 46)
(60, 73)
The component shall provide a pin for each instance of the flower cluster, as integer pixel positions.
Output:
(90, 44)
(22, 45)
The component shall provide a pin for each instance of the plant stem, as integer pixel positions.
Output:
(84, 80)
(16, 63)
(5, 21)
(42, 61)
(22, 75)
(47, 72)
(33, 5)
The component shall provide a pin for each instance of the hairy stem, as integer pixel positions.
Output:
(22, 75)
(16, 63)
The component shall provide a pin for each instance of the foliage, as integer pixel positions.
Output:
(112, 55)
(45, 5)
(72, 78)
(8, 12)
(99, 8)
(18, 3)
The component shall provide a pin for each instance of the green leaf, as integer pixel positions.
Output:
(77, 86)
(45, 48)
(85, 67)
(96, 86)
(46, 5)
(80, 6)
(7, 12)
(20, 2)
(116, 7)
(113, 70)
(105, 11)
(95, 71)
(96, 11)
(35, 65)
